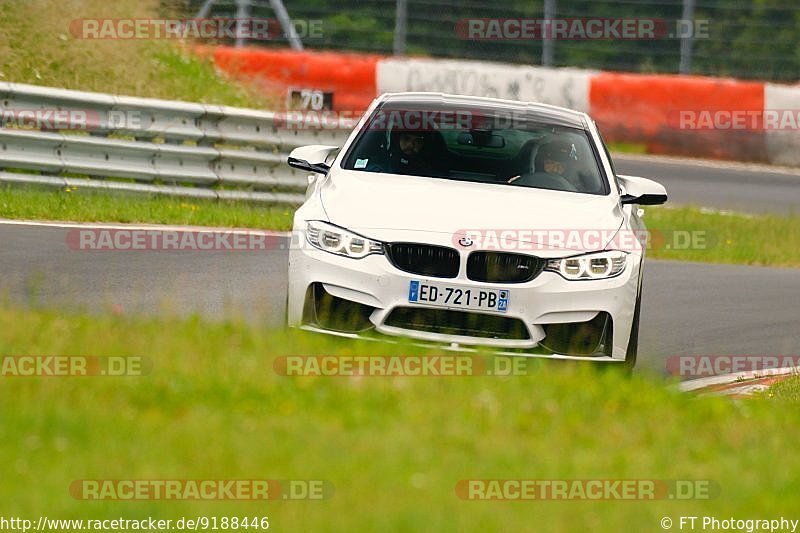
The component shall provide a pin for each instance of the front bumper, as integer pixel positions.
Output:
(546, 307)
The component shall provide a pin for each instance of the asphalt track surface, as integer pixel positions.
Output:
(688, 309)
(726, 186)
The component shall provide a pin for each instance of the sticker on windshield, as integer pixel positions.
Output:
(361, 163)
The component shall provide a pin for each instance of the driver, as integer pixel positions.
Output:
(407, 154)
(557, 158)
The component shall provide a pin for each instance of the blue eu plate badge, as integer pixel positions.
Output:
(413, 291)
(502, 303)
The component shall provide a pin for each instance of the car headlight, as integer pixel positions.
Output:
(599, 265)
(339, 241)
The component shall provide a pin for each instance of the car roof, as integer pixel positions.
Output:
(560, 116)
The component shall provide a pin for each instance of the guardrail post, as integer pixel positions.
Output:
(242, 14)
(400, 24)
(685, 66)
(547, 37)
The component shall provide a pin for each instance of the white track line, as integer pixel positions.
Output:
(708, 163)
(148, 227)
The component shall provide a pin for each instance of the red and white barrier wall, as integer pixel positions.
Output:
(681, 115)
(783, 145)
(556, 86)
(350, 77)
(677, 114)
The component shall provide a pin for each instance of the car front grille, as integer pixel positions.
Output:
(449, 322)
(503, 267)
(424, 259)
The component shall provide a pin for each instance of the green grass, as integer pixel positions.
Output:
(38, 47)
(211, 407)
(76, 205)
(627, 148)
(787, 389)
(715, 237)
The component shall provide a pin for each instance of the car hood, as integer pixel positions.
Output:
(392, 207)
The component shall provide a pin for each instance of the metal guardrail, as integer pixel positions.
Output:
(155, 146)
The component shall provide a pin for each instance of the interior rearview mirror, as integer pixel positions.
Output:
(482, 138)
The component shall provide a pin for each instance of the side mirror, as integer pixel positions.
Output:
(311, 158)
(302, 164)
(642, 191)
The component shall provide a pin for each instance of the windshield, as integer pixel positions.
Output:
(477, 146)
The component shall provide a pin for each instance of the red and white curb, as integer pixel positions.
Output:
(738, 384)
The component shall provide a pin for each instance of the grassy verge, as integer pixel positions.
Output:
(33, 204)
(786, 389)
(627, 148)
(38, 47)
(690, 234)
(684, 234)
(211, 407)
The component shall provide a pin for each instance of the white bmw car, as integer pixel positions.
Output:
(472, 222)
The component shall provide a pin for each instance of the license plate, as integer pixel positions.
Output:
(443, 295)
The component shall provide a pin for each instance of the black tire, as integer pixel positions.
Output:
(286, 311)
(633, 340)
